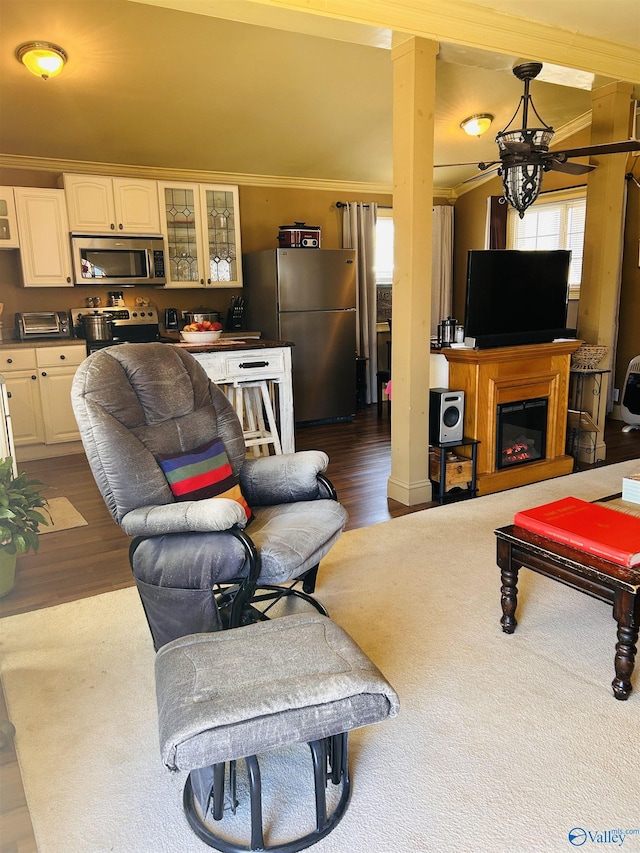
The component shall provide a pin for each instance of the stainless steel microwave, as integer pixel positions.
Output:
(121, 261)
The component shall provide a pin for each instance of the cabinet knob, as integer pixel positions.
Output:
(9, 361)
(120, 226)
(44, 373)
(113, 227)
(33, 376)
(208, 281)
(8, 395)
(68, 279)
(62, 357)
(201, 281)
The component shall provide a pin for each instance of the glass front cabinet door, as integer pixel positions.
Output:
(201, 229)
(8, 224)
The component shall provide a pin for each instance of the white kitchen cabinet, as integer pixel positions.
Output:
(38, 381)
(201, 230)
(57, 367)
(103, 205)
(7, 448)
(8, 221)
(20, 370)
(43, 230)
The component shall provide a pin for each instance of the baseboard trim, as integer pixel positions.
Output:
(409, 494)
(47, 451)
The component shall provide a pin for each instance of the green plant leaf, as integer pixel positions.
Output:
(20, 497)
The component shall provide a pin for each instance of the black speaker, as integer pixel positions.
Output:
(446, 416)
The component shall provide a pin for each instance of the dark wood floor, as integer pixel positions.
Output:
(90, 560)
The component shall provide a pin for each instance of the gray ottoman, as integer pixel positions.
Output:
(244, 692)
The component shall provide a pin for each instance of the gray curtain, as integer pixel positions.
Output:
(442, 266)
(359, 233)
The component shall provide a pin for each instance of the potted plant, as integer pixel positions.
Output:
(20, 499)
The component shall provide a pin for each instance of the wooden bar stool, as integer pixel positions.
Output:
(252, 402)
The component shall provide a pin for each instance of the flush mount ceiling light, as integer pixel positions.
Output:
(42, 58)
(477, 124)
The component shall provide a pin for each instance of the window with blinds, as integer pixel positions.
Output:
(552, 225)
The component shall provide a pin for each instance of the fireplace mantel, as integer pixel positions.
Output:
(490, 377)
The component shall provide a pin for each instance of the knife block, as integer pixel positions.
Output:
(235, 316)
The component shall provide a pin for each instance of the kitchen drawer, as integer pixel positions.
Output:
(20, 358)
(61, 356)
(213, 364)
(254, 364)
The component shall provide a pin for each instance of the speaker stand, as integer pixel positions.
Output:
(441, 483)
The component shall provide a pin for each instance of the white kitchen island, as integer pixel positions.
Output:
(231, 363)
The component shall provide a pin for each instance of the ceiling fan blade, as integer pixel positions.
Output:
(606, 148)
(482, 166)
(453, 165)
(570, 168)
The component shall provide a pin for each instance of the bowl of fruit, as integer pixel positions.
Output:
(201, 333)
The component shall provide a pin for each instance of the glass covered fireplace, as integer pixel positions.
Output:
(521, 434)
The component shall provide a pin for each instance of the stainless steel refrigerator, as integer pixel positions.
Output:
(308, 297)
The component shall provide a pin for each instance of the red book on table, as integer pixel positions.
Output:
(588, 527)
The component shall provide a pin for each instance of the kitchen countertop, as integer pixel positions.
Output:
(222, 345)
(40, 342)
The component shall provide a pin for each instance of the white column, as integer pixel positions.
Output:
(414, 73)
(604, 236)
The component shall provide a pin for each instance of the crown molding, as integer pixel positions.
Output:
(154, 173)
(571, 127)
(86, 167)
(447, 193)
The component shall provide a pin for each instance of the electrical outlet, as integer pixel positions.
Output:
(616, 395)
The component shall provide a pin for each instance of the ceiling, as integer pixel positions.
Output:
(252, 89)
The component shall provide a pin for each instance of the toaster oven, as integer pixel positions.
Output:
(43, 324)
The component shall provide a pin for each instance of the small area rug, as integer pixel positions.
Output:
(64, 516)
(503, 743)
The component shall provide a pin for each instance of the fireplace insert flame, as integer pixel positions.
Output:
(521, 432)
(519, 451)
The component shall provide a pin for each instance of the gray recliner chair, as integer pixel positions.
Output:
(143, 408)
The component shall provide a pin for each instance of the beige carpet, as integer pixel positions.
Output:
(64, 516)
(504, 744)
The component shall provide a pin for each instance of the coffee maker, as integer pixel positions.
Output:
(171, 323)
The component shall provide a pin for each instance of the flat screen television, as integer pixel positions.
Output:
(516, 297)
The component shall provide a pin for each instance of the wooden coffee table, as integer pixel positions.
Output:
(518, 548)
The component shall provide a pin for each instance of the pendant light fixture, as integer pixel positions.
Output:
(42, 58)
(522, 150)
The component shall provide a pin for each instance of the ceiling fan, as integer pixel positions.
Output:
(524, 152)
